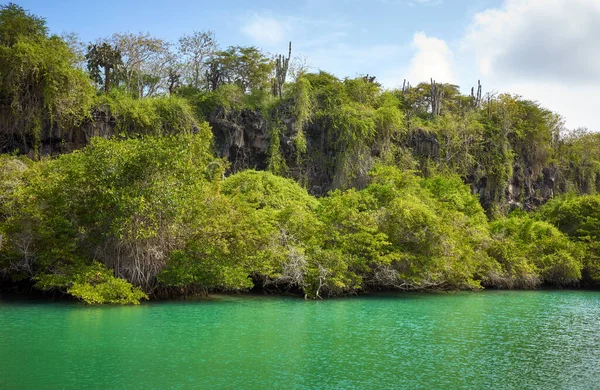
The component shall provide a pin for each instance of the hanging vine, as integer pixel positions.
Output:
(276, 161)
(302, 114)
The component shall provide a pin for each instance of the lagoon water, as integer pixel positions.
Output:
(492, 339)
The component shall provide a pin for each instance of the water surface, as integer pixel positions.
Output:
(540, 339)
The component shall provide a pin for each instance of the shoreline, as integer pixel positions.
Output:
(39, 297)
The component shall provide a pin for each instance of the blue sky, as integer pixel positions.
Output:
(366, 22)
(544, 50)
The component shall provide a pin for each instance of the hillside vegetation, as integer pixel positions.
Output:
(193, 169)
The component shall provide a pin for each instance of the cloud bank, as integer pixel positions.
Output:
(544, 50)
(265, 30)
(433, 59)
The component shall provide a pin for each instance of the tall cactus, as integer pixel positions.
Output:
(405, 86)
(281, 68)
(476, 98)
(437, 95)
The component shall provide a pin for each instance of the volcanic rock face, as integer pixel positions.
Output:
(54, 140)
(242, 136)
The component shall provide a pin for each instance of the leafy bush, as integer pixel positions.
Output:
(127, 204)
(39, 86)
(94, 285)
(579, 218)
(435, 225)
(150, 116)
(280, 223)
(531, 253)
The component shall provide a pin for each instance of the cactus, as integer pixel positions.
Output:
(476, 99)
(281, 68)
(437, 95)
(405, 86)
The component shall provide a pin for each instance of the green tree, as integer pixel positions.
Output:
(531, 253)
(16, 23)
(579, 218)
(103, 60)
(246, 67)
(39, 87)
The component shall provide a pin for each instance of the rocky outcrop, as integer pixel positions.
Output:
(54, 140)
(424, 144)
(243, 137)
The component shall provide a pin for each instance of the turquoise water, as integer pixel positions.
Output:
(541, 339)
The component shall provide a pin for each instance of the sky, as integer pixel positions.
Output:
(542, 50)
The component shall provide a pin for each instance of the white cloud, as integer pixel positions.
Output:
(578, 106)
(433, 59)
(265, 30)
(539, 39)
(544, 50)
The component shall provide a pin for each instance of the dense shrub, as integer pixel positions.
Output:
(126, 204)
(531, 253)
(93, 284)
(579, 218)
(150, 116)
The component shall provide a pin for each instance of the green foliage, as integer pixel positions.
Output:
(218, 251)
(456, 195)
(276, 162)
(262, 228)
(102, 61)
(361, 124)
(578, 155)
(12, 174)
(578, 218)
(248, 230)
(93, 284)
(229, 97)
(329, 92)
(461, 139)
(389, 122)
(351, 231)
(39, 87)
(279, 222)
(12, 171)
(436, 226)
(261, 189)
(150, 116)
(530, 253)
(155, 211)
(246, 67)
(303, 106)
(126, 204)
(361, 91)
(16, 23)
